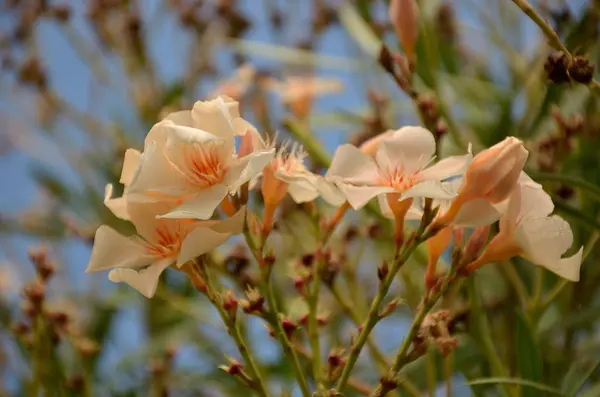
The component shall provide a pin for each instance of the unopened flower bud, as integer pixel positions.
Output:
(390, 307)
(581, 70)
(404, 15)
(230, 304)
(436, 246)
(35, 293)
(476, 243)
(255, 301)
(289, 326)
(382, 271)
(556, 68)
(233, 368)
(336, 358)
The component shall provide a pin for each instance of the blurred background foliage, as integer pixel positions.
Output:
(84, 80)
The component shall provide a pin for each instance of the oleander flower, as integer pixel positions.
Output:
(159, 243)
(286, 173)
(399, 171)
(491, 176)
(190, 158)
(298, 92)
(118, 205)
(236, 86)
(528, 230)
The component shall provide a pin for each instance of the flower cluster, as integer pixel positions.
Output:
(191, 166)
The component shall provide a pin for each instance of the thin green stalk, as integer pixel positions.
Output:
(373, 315)
(285, 342)
(313, 326)
(509, 271)
(233, 329)
(402, 354)
(314, 148)
(272, 315)
(549, 32)
(431, 372)
(538, 286)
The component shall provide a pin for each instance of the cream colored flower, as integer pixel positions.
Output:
(236, 86)
(190, 158)
(527, 229)
(298, 92)
(491, 176)
(160, 243)
(399, 170)
(286, 173)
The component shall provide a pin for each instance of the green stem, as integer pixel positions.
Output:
(373, 315)
(313, 326)
(233, 329)
(548, 31)
(272, 315)
(285, 342)
(315, 149)
(509, 271)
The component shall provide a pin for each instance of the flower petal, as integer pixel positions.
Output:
(145, 280)
(183, 117)
(232, 225)
(154, 175)
(198, 242)
(112, 249)
(131, 161)
(215, 116)
(329, 191)
(200, 206)
(118, 206)
(429, 189)
(475, 213)
(446, 168)
(244, 169)
(544, 240)
(351, 165)
(409, 147)
(359, 196)
(535, 202)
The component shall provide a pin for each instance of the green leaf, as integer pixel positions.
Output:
(526, 384)
(529, 360)
(578, 374)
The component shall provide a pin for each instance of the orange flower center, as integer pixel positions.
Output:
(204, 165)
(398, 179)
(167, 241)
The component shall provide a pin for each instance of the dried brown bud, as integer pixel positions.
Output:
(35, 293)
(307, 260)
(351, 233)
(31, 72)
(390, 307)
(75, 383)
(336, 358)
(556, 68)
(234, 367)
(289, 326)
(581, 70)
(374, 230)
(21, 328)
(60, 12)
(269, 260)
(255, 301)
(230, 304)
(60, 319)
(382, 271)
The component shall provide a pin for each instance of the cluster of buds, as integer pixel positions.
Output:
(561, 69)
(553, 149)
(336, 361)
(435, 330)
(254, 304)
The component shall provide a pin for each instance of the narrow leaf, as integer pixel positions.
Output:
(529, 360)
(526, 384)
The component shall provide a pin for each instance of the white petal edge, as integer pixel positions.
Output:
(145, 280)
(351, 165)
(200, 206)
(118, 206)
(112, 249)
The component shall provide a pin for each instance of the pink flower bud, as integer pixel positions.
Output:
(404, 15)
(476, 242)
(492, 175)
